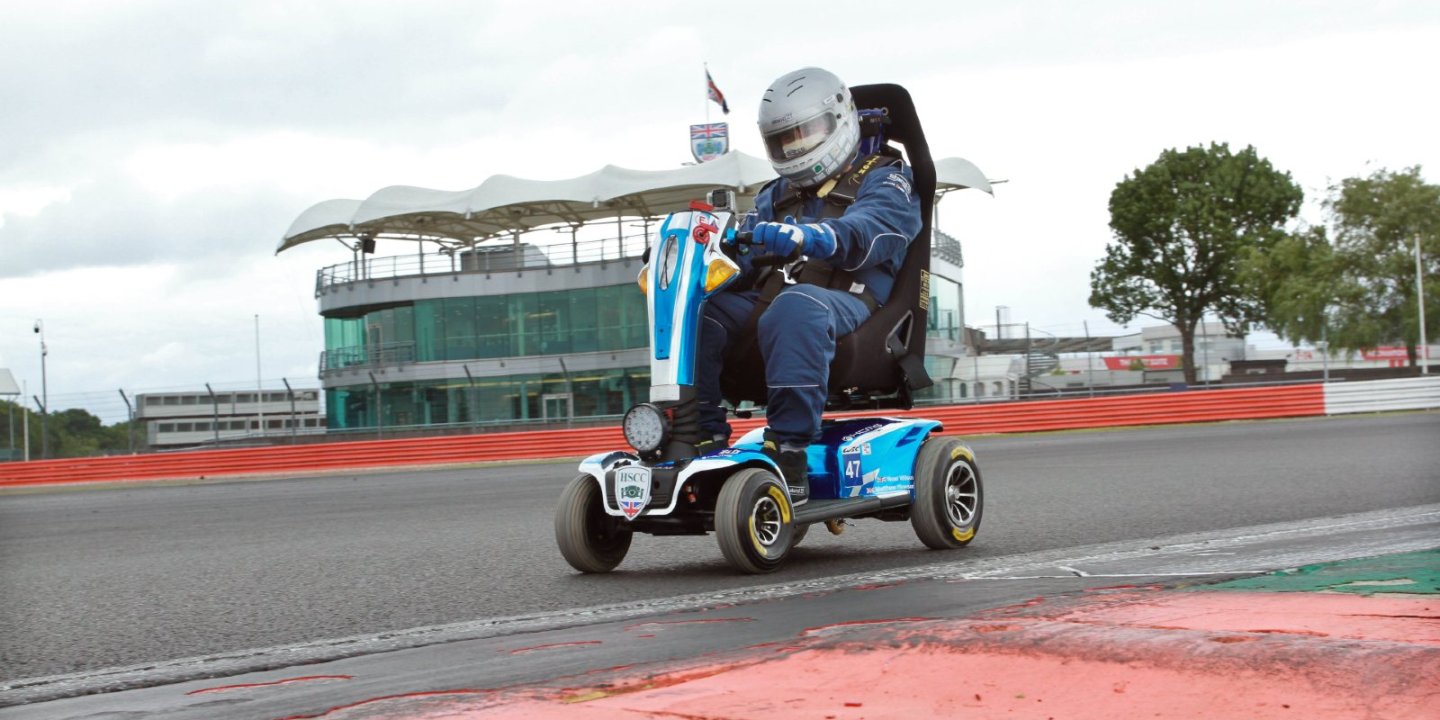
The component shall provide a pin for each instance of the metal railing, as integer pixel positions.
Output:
(490, 257)
(946, 248)
(363, 356)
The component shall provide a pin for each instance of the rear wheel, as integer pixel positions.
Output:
(754, 521)
(589, 539)
(949, 498)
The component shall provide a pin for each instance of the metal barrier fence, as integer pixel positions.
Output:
(1156, 409)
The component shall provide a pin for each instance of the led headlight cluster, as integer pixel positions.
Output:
(646, 428)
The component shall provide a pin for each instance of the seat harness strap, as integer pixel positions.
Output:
(838, 196)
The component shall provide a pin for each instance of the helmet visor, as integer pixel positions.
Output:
(792, 142)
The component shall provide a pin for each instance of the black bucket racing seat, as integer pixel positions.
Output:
(882, 363)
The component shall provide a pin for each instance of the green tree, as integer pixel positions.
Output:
(1297, 281)
(1377, 220)
(73, 433)
(1182, 227)
(1355, 287)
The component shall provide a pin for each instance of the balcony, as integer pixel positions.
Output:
(350, 358)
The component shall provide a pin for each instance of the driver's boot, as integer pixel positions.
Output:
(794, 469)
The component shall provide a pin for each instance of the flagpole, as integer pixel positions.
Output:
(706, 68)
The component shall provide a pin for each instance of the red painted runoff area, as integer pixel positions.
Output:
(1121, 653)
(974, 419)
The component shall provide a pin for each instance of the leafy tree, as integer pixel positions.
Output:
(1356, 286)
(1297, 281)
(1182, 227)
(73, 433)
(1377, 220)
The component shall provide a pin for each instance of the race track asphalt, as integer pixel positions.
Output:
(99, 578)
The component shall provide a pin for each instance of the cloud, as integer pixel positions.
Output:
(154, 152)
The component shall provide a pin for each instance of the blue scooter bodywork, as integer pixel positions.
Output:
(855, 458)
(890, 468)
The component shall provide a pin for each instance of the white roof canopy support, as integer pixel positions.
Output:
(504, 205)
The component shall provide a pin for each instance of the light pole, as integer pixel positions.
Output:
(259, 384)
(1420, 298)
(44, 394)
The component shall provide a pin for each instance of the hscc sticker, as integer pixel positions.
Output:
(632, 489)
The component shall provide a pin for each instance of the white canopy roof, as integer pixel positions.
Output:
(7, 383)
(504, 204)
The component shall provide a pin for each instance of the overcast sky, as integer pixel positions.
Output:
(152, 154)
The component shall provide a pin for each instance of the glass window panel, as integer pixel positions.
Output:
(945, 319)
(635, 319)
(492, 326)
(429, 330)
(459, 328)
(522, 309)
(609, 314)
(583, 319)
(548, 323)
(404, 330)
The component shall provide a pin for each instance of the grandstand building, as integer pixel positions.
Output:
(516, 302)
(186, 419)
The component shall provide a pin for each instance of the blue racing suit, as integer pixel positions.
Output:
(797, 333)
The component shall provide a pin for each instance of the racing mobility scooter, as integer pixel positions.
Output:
(861, 467)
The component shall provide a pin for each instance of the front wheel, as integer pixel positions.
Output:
(949, 498)
(753, 521)
(591, 540)
(798, 533)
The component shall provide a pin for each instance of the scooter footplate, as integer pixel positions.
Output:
(821, 510)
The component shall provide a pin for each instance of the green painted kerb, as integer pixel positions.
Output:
(1414, 573)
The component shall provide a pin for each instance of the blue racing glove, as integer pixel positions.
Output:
(784, 238)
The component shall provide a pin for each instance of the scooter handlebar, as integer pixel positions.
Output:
(748, 238)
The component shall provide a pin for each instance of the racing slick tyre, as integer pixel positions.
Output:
(949, 498)
(797, 534)
(754, 521)
(590, 540)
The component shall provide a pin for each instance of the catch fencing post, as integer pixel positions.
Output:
(215, 421)
(130, 409)
(291, 392)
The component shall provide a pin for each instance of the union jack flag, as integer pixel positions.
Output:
(709, 130)
(715, 93)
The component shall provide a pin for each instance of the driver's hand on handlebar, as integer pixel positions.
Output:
(787, 239)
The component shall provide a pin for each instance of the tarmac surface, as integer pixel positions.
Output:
(1212, 625)
(288, 570)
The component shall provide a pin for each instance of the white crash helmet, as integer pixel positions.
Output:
(810, 126)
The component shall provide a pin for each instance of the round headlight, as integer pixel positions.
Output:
(645, 427)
